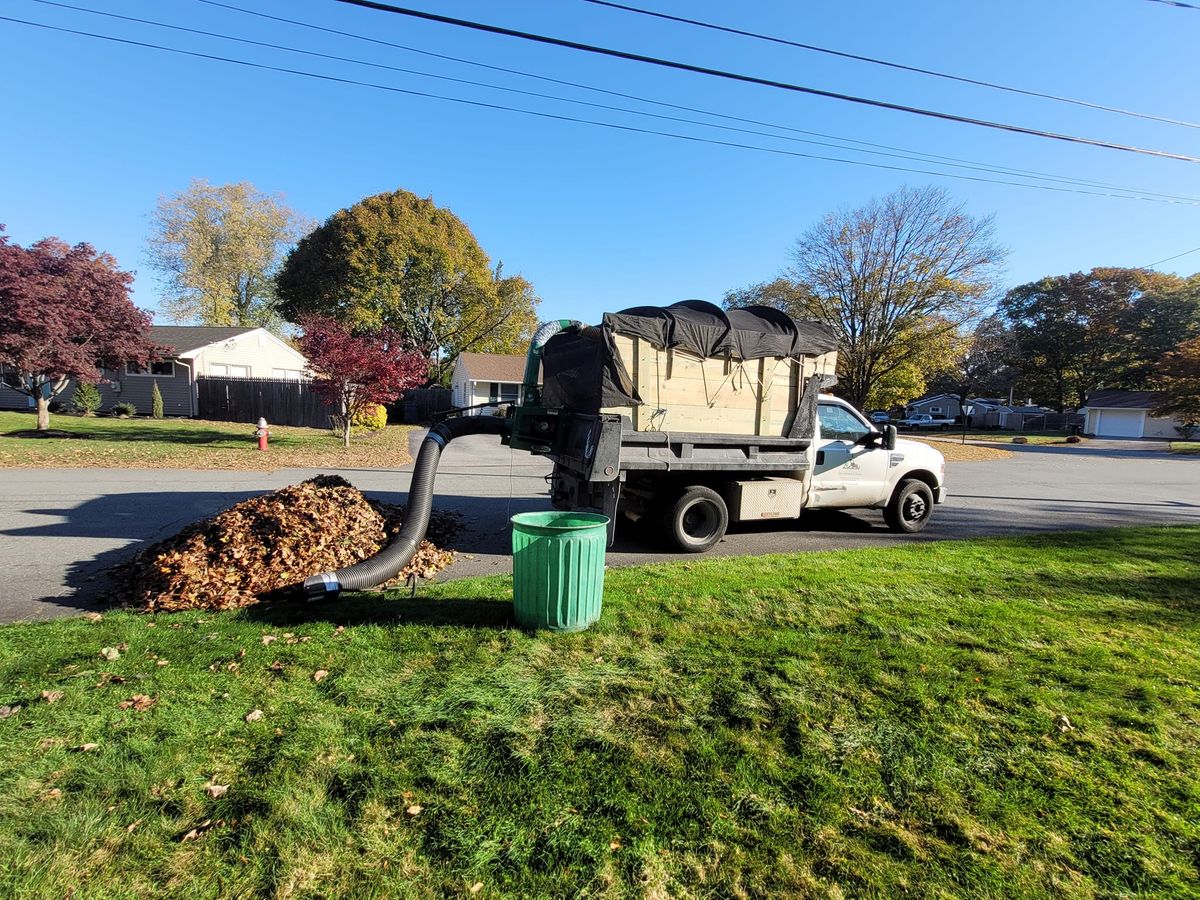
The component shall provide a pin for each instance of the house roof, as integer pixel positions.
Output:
(185, 338)
(500, 367)
(1115, 399)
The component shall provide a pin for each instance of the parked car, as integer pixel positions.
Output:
(881, 417)
(924, 420)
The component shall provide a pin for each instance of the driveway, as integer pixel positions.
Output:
(59, 528)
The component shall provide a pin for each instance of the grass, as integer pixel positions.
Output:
(191, 444)
(1005, 437)
(1192, 447)
(1002, 717)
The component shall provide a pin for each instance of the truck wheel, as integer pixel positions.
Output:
(910, 507)
(697, 519)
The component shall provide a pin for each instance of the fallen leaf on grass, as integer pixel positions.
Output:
(93, 617)
(320, 675)
(614, 844)
(132, 825)
(162, 662)
(52, 696)
(1064, 724)
(112, 654)
(204, 826)
(6, 710)
(415, 809)
(87, 748)
(138, 702)
(477, 887)
(268, 638)
(216, 790)
(254, 715)
(52, 794)
(276, 666)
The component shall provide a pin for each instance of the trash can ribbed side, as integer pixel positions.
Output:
(558, 569)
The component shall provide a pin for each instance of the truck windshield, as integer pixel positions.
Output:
(839, 424)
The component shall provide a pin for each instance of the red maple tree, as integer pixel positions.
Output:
(65, 314)
(354, 369)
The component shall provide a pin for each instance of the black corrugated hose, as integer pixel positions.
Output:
(388, 562)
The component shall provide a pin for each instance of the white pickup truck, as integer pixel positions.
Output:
(924, 420)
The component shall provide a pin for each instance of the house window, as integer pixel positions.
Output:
(935, 410)
(164, 368)
(287, 374)
(227, 371)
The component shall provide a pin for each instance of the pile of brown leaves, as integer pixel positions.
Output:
(270, 543)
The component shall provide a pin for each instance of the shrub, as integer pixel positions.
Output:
(156, 404)
(86, 399)
(371, 417)
(1020, 440)
(1074, 439)
(56, 406)
(123, 410)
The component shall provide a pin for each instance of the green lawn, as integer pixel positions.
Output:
(993, 718)
(190, 444)
(1185, 447)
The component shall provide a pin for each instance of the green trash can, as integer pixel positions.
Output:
(558, 569)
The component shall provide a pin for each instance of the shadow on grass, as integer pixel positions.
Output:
(381, 609)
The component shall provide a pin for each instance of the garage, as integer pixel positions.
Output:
(1119, 423)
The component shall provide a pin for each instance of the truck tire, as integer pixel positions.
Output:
(697, 519)
(910, 507)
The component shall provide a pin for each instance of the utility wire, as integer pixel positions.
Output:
(767, 82)
(1169, 258)
(1024, 173)
(893, 65)
(563, 118)
(901, 154)
(1178, 3)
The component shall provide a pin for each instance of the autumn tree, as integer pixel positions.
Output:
(1179, 381)
(1107, 327)
(217, 249)
(399, 261)
(979, 365)
(356, 368)
(65, 314)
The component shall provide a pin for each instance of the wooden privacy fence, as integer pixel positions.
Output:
(246, 399)
(419, 405)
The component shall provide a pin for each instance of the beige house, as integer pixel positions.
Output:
(195, 350)
(487, 378)
(1126, 414)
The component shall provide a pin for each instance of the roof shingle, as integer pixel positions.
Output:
(501, 367)
(184, 338)
(1115, 399)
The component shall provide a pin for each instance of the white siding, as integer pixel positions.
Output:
(257, 353)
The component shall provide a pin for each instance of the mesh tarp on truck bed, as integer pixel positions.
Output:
(582, 371)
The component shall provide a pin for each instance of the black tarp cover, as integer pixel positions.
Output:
(699, 327)
(581, 370)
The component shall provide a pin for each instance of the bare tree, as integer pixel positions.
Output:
(883, 274)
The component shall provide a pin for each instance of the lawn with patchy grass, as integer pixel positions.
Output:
(1002, 717)
(191, 444)
(1192, 447)
(1006, 437)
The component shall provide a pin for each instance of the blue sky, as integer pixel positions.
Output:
(596, 218)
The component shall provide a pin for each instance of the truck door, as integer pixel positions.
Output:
(846, 473)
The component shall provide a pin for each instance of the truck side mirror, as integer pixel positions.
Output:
(889, 437)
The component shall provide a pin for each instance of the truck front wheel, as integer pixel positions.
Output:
(910, 507)
(697, 519)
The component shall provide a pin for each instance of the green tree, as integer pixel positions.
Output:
(156, 401)
(217, 248)
(1178, 377)
(1107, 327)
(399, 261)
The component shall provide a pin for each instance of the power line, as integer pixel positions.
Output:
(1178, 3)
(1169, 258)
(767, 82)
(893, 65)
(563, 118)
(900, 154)
(1024, 173)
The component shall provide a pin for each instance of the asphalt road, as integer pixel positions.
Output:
(60, 528)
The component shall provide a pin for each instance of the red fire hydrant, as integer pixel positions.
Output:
(262, 433)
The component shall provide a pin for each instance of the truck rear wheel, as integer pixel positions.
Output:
(697, 519)
(910, 507)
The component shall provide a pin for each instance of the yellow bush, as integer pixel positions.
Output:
(371, 417)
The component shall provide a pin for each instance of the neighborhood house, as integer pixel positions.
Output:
(1126, 414)
(195, 351)
(487, 378)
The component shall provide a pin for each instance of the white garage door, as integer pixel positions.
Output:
(1120, 423)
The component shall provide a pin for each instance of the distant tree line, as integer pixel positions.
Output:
(910, 283)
